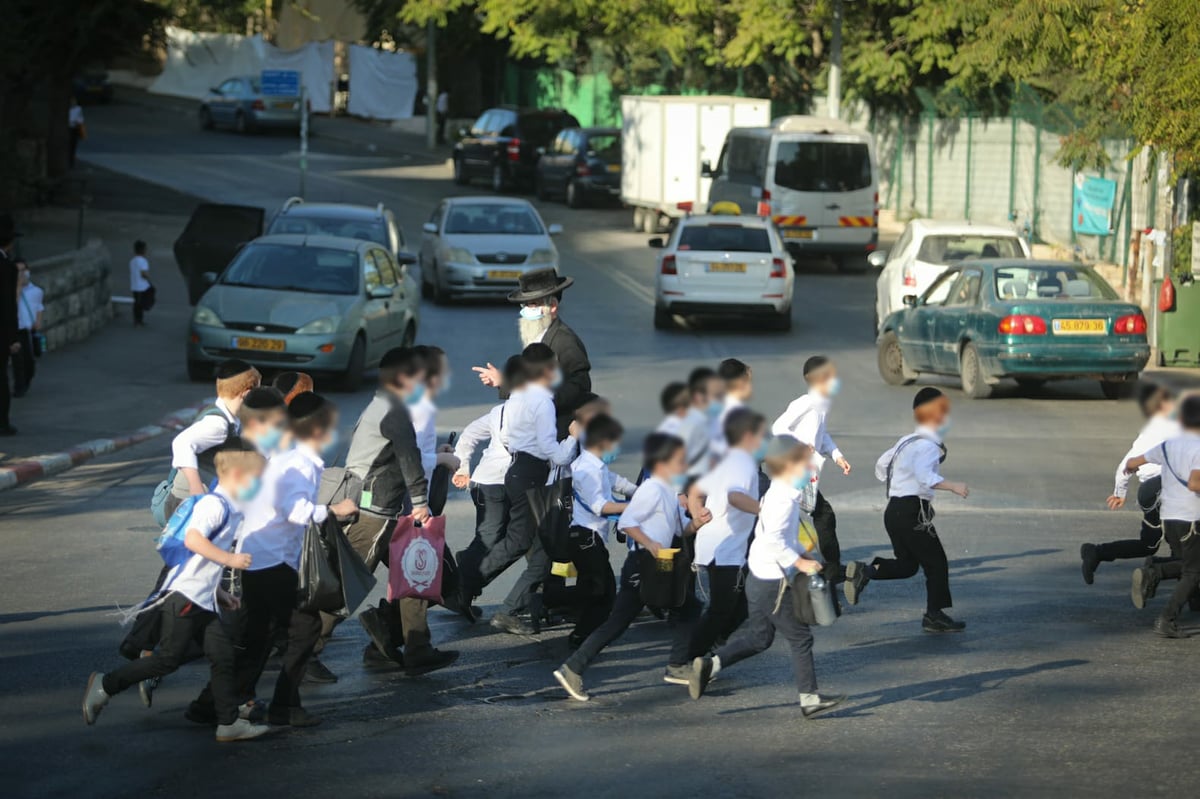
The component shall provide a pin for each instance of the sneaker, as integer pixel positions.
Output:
(377, 629)
(857, 578)
(240, 730)
(700, 677)
(1140, 589)
(146, 689)
(678, 675)
(201, 713)
(571, 682)
(291, 717)
(507, 622)
(823, 704)
(373, 659)
(316, 671)
(940, 623)
(1166, 628)
(254, 711)
(1091, 559)
(94, 698)
(423, 662)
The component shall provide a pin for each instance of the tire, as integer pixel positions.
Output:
(460, 173)
(441, 295)
(351, 379)
(206, 120)
(426, 286)
(499, 180)
(851, 265)
(574, 195)
(410, 336)
(239, 123)
(1031, 385)
(638, 222)
(1117, 389)
(650, 224)
(663, 319)
(781, 322)
(974, 384)
(890, 360)
(199, 371)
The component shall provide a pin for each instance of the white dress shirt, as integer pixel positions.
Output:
(594, 484)
(276, 520)
(782, 535)
(1179, 503)
(718, 446)
(138, 267)
(695, 436)
(202, 435)
(1156, 430)
(917, 469)
(671, 425)
(198, 578)
(29, 305)
(804, 420)
(424, 419)
(530, 426)
(723, 541)
(496, 459)
(654, 509)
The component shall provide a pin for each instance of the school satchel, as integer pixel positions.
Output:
(415, 559)
(665, 583)
(162, 491)
(552, 507)
(319, 587)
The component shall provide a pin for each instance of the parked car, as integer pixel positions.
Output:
(503, 145)
(1033, 321)
(92, 86)
(239, 103)
(581, 165)
(719, 265)
(367, 222)
(926, 248)
(480, 247)
(321, 304)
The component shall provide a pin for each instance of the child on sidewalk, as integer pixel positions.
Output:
(781, 547)
(910, 471)
(190, 596)
(738, 380)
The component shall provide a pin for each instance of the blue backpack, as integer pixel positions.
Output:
(170, 543)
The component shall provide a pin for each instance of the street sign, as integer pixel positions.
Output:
(280, 82)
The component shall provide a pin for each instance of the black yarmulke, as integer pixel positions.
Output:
(232, 368)
(262, 399)
(926, 395)
(305, 405)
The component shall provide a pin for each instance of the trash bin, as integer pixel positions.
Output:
(1179, 328)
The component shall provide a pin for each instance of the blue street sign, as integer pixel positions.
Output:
(280, 82)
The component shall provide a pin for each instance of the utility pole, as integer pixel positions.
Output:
(431, 85)
(835, 62)
(303, 139)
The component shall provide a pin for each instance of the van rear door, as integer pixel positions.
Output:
(823, 190)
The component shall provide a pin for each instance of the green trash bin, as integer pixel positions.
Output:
(1179, 329)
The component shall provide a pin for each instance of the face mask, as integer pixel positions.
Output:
(761, 452)
(531, 313)
(269, 441)
(835, 386)
(944, 428)
(678, 482)
(330, 447)
(556, 379)
(416, 395)
(611, 456)
(714, 408)
(248, 491)
(801, 482)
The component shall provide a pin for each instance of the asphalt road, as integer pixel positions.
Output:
(1056, 688)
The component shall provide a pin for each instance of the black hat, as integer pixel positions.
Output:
(925, 396)
(8, 226)
(263, 398)
(232, 368)
(537, 284)
(306, 405)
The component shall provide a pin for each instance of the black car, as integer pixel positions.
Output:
(505, 143)
(581, 165)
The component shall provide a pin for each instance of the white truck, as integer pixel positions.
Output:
(666, 139)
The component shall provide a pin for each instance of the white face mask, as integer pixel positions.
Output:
(533, 313)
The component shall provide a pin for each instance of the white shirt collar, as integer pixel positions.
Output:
(311, 455)
(924, 431)
(539, 388)
(819, 401)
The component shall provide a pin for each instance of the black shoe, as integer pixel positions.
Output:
(291, 717)
(428, 660)
(454, 603)
(509, 623)
(316, 671)
(857, 577)
(700, 677)
(824, 703)
(201, 713)
(1091, 559)
(7, 430)
(941, 623)
(377, 630)
(537, 611)
(1142, 586)
(1168, 628)
(372, 658)
(678, 675)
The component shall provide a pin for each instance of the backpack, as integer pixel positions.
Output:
(170, 543)
(162, 491)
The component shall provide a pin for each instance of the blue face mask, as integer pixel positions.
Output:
(944, 428)
(531, 313)
(249, 491)
(556, 379)
(714, 408)
(268, 442)
(761, 452)
(834, 387)
(611, 456)
(679, 482)
(416, 395)
(330, 448)
(801, 482)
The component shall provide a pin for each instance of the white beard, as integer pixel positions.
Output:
(531, 330)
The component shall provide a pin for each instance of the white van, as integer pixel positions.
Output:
(815, 177)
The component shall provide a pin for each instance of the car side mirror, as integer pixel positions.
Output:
(554, 230)
(878, 258)
(657, 242)
(911, 300)
(706, 170)
(209, 278)
(406, 258)
(429, 227)
(380, 293)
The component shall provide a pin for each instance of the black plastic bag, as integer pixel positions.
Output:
(663, 583)
(319, 587)
(552, 507)
(356, 579)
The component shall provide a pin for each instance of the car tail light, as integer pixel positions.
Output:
(764, 203)
(514, 150)
(1023, 325)
(668, 265)
(778, 268)
(583, 170)
(1132, 325)
(258, 105)
(910, 280)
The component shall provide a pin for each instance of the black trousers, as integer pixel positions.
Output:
(525, 473)
(916, 546)
(184, 625)
(757, 633)
(626, 607)
(23, 363)
(5, 398)
(269, 602)
(1184, 539)
(595, 587)
(726, 608)
(139, 307)
(73, 137)
(825, 522)
(1146, 544)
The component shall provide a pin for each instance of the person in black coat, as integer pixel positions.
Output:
(9, 335)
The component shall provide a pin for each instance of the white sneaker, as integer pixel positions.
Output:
(240, 730)
(94, 698)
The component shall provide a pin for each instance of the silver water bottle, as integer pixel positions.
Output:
(820, 592)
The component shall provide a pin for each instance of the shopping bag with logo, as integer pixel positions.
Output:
(415, 559)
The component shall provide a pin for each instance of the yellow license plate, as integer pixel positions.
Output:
(797, 234)
(503, 274)
(260, 344)
(726, 267)
(1079, 327)
(283, 105)
(614, 167)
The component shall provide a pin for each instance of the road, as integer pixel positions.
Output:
(1056, 688)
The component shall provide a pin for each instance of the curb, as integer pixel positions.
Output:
(19, 473)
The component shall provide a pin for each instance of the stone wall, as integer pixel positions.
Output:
(78, 301)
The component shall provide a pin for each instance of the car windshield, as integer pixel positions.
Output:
(822, 165)
(726, 238)
(605, 147)
(372, 230)
(1051, 283)
(287, 267)
(492, 219)
(944, 250)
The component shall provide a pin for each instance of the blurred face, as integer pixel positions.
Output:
(716, 390)
(267, 433)
(828, 383)
(754, 442)
(742, 388)
(22, 273)
(244, 484)
(799, 472)
(934, 414)
(589, 410)
(673, 467)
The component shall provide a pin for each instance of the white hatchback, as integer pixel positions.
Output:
(723, 265)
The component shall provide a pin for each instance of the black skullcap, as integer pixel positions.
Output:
(306, 405)
(925, 396)
(232, 368)
(263, 398)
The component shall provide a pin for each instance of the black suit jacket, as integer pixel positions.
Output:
(8, 301)
(576, 369)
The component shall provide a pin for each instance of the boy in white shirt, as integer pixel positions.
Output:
(262, 420)
(707, 397)
(424, 411)
(653, 520)
(675, 402)
(738, 380)
(30, 307)
(805, 420)
(911, 472)
(783, 543)
(190, 598)
(139, 282)
(1180, 461)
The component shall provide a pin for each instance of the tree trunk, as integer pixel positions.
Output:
(57, 134)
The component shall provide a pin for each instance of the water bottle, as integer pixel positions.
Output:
(822, 600)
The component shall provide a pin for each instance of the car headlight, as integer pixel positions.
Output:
(542, 257)
(459, 255)
(206, 317)
(324, 325)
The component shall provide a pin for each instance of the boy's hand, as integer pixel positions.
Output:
(808, 565)
(842, 464)
(228, 600)
(461, 480)
(575, 429)
(960, 489)
(421, 514)
(488, 375)
(344, 509)
(653, 547)
(446, 448)
(702, 517)
(1115, 503)
(239, 560)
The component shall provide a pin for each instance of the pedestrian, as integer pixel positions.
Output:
(1179, 460)
(654, 520)
(424, 412)
(442, 108)
(737, 389)
(911, 473)
(10, 340)
(782, 547)
(191, 598)
(292, 384)
(708, 397)
(139, 283)
(262, 420)
(1157, 404)
(76, 131)
(30, 307)
(805, 420)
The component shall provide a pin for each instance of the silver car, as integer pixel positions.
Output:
(318, 304)
(480, 247)
(239, 103)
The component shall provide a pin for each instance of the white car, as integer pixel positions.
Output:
(723, 265)
(926, 248)
(480, 247)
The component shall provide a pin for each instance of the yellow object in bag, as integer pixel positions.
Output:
(564, 570)
(807, 536)
(664, 561)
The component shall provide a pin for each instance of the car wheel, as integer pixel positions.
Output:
(781, 322)
(663, 319)
(574, 195)
(1117, 389)
(460, 173)
(1030, 385)
(499, 181)
(199, 371)
(852, 264)
(974, 384)
(891, 361)
(239, 123)
(441, 294)
(638, 213)
(650, 221)
(206, 120)
(410, 336)
(351, 379)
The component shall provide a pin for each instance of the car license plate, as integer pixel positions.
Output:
(503, 274)
(287, 105)
(1079, 327)
(726, 267)
(799, 234)
(260, 344)
(613, 167)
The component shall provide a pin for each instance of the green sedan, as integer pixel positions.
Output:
(1033, 321)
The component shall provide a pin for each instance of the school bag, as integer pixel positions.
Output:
(170, 543)
(162, 491)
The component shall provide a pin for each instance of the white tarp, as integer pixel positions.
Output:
(383, 85)
(314, 62)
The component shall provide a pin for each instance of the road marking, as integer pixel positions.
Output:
(639, 291)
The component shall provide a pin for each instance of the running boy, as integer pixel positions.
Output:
(910, 471)
(781, 548)
(707, 397)
(190, 596)
(263, 419)
(738, 380)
